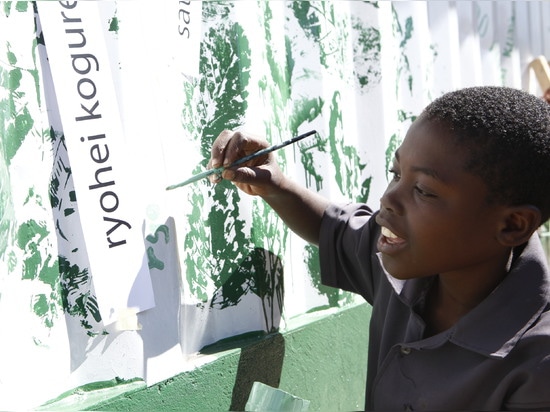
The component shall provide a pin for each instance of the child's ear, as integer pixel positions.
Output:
(518, 224)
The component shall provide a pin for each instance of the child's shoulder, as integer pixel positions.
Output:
(532, 367)
(541, 328)
(536, 339)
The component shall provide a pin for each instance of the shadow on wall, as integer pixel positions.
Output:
(250, 299)
(160, 326)
(261, 360)
(260, 273)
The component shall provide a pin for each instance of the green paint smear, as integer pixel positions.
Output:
(40, 305)
(27, 233)
(71, 283)
(6, 206)
(330, 38)
(32, 240)
(49, 272)
(403, 67)
(113, 25)
(345, 158)
(335, 297)
(395, 139)
(308, 19)
(22, 6)
(366, 54)
(221, 104)
(510, 36)
(15, 124)
(153, 261)
(29, 236)
(220, 252)
(11, 57)
(76, 302)
(7, 8)
(155, 237)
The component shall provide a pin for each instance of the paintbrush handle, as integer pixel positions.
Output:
(242, 160)
(270, 149)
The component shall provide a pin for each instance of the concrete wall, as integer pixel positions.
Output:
(323, 360)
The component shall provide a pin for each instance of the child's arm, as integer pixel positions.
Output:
(301, 209)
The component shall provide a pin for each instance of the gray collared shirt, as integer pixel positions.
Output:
(497, 357)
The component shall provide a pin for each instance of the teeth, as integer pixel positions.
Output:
(388, 233)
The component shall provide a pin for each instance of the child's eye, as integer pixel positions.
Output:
(422, 192)
(395, 175)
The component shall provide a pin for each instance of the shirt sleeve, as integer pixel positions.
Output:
(347, 249)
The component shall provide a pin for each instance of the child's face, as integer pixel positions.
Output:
(438, 219)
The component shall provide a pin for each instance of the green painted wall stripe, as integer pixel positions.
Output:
(322, 359)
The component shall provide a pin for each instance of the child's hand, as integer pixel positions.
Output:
(258, 177)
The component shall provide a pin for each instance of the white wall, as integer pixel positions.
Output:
(356, 72)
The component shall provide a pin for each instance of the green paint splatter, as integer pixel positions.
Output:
(345, 158)
(198, 260)
(40, 305)
(220, 253)
(403, 72)
(33, 240)
(395, 139)
(308, 19)
(261, 273)
(366, 54)
(76, 297)
(225, 74)
(307, 110)
(74, 283)
(29, 237)
(154, 262)
(15, 118)
(509, 44)
(335, 297)
(328, 36)
(155, 237)
(6, 205)
(12, 261)
(49, 274)
(22, 6)
(113, 25)
(311, 257)
(318, 145)
(12, 59)
(34, 259)
(327, 31)
(405, 34)
(7, 8)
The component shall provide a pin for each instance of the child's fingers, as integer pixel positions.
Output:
(235, 148)
(219, 149)
(230, 146)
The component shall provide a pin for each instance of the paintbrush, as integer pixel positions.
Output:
(219, 170)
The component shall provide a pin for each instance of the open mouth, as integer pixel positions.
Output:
(389, 243)
(391, 237)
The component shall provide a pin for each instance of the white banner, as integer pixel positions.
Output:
(98, 153)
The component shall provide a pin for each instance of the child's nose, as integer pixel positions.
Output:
(390, 200)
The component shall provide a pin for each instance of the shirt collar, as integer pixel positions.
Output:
(494, 327)
(512, 308)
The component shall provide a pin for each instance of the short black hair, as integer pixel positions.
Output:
(506, 133)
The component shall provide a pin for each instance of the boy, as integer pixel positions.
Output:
(451, 263)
